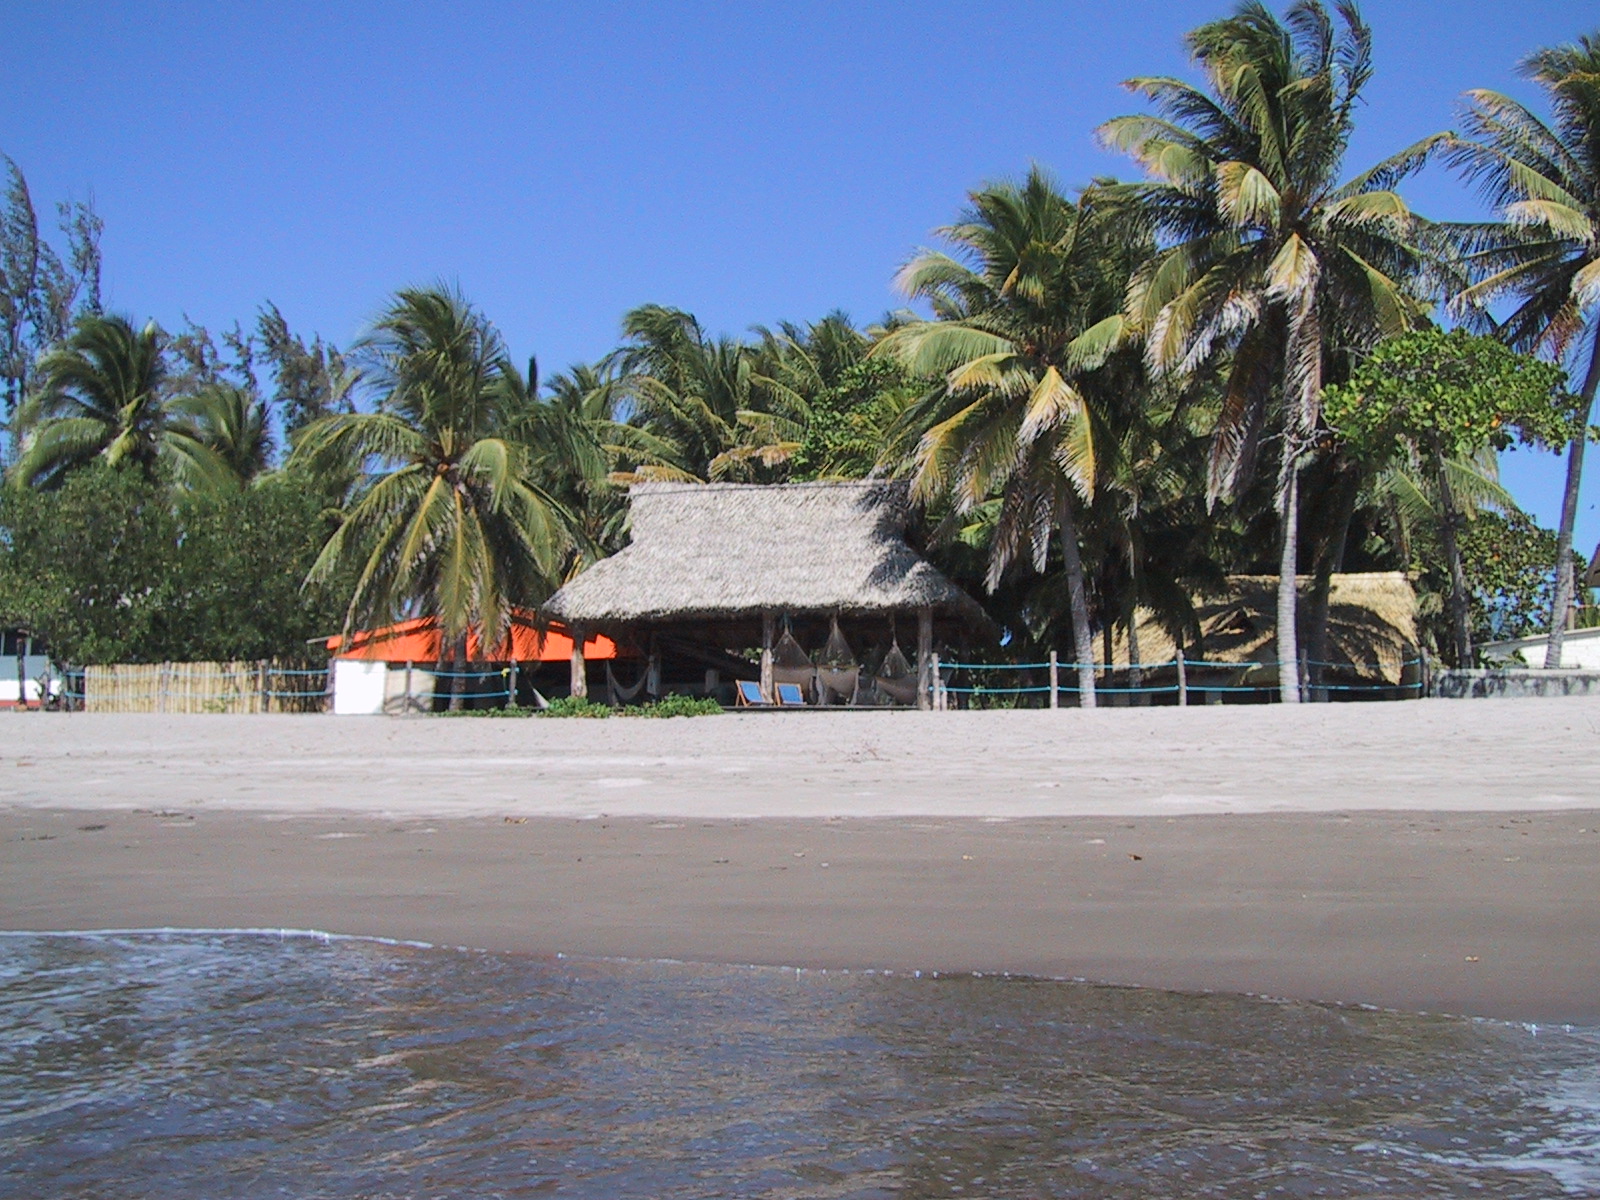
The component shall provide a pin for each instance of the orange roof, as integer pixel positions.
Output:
(418, 640)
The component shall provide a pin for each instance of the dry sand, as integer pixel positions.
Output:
(1430, 855)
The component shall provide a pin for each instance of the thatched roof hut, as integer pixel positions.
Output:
(720, 563)
(1372, 629)
(725, 551)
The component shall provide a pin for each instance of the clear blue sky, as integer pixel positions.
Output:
(563, 163)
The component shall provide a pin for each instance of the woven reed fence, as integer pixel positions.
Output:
(203, 687)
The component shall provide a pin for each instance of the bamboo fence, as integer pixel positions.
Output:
(204, 687)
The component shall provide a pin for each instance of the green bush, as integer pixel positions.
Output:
(675, 706)
(510, 710)
(576, 706)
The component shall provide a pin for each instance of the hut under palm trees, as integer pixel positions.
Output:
(717, 569)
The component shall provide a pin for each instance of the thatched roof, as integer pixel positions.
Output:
(1372, 625)
(725, 551)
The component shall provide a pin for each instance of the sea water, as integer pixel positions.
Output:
(246, 1065)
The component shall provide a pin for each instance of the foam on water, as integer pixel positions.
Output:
(242, 1063)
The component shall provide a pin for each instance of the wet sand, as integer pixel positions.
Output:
(1435, 856)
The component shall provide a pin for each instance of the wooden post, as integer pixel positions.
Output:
(1183, 680)
(406, 703)
(580, 672)
(1055, 680)
(769, 633)
(924, 658)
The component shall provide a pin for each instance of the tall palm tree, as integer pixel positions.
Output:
(100, 395)
(1545, 180)
(229, 420)
(1269, 264)
(455, 521)
(1029, 309)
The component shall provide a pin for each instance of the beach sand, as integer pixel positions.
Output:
(1433, 855)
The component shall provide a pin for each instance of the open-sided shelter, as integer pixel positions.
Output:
(713, 569)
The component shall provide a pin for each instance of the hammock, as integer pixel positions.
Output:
(895, 677)
(791, 664)
(624, 695)
(838, 674)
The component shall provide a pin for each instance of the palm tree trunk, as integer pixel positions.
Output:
(1077, 600)
(1329, 564)
(458, 670)
(1135, 674)
(22, 673)
(1288, 594)
(1569, 514)
(1449, 526)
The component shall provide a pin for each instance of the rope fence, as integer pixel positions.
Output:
(948, 679)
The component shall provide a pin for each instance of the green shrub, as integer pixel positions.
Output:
(510, 710)
(675, 706)
(576, 706)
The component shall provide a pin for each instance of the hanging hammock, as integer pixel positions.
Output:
(791, 664)
(838, 673)
(895, 677)
(625, 695)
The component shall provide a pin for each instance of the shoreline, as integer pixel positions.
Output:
(1440, 857)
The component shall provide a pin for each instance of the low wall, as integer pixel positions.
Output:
(1514, 683)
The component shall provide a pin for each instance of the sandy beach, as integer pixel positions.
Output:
(1439, 856)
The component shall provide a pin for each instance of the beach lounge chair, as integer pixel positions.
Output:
(790, 695)
(751, 695)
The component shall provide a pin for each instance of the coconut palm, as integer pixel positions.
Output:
(455, 521)
(1269, 264)
(1029, 310)
(1545, 180)
(100, 395)
(231, 421)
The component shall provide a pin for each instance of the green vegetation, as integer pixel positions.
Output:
(1104, 399)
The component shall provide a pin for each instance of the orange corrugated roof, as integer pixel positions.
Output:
(418, 640)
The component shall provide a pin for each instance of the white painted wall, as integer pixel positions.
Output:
(1580, 650)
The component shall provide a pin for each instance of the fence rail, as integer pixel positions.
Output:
(202, 687)
(981, 682)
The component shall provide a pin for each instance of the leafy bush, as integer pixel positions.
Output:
(510, 710)
(675, 706)
(576, 706)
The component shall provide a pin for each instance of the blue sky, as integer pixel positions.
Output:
(563, 163)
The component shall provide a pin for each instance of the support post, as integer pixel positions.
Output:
(405, 701)
(1055, 680)
(769, 633)
(1183, 680)
(511, 684)
(924, 658)
(580, 671)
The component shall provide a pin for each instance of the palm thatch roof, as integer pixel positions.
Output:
(1372, 625)
(724, 551)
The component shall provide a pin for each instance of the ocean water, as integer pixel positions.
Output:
(223, 1065)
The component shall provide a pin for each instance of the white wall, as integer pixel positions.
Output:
(1580, 650)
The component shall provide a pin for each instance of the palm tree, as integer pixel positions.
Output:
(229, 420)
(1268, 263)
(455, 521)
(700, 396)
(1545, 179)
(99, 395)
(1029, 310)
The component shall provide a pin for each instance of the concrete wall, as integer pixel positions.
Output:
(1513, 682)
(1580, 650)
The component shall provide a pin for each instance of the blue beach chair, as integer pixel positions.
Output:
(751, 695)
(790, 695)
